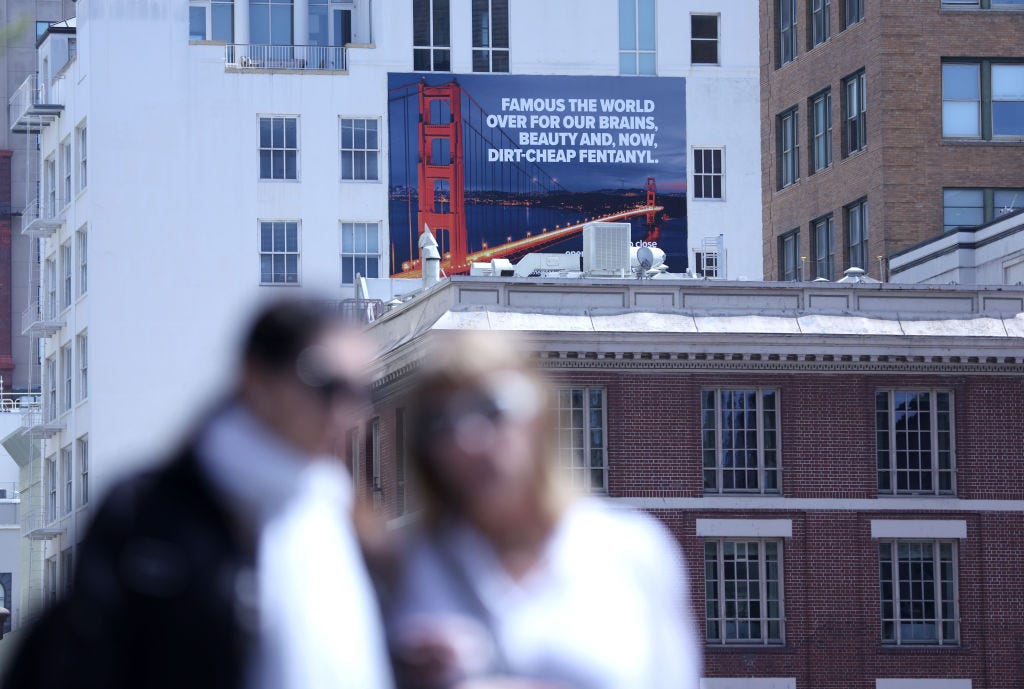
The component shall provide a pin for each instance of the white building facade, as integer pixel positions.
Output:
(195, 156)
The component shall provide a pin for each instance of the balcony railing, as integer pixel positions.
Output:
(38, 526)
(42, 217)
(285, 57)
(17, 402)
(34, 105)
(42, 319)
(35, 424)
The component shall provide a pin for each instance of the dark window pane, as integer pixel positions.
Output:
(704, 52)
(704, 26)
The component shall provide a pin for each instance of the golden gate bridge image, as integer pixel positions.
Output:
(448, 152)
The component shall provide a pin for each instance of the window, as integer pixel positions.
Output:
(789, 153)
(704, 39)
(83, 167)
(50, 268)
(66, 368)
(821, 131)
(83, 468)
(972, 207)
(824, 254)
(853, 12)
(214, 20)
(66, 477)
(914, 442)
(51, 389)
(743, 592)
(982, 100)
(376, 480)
(51, 489)
(82, 345)
(580, 421)
(789, 256)
(490, 35)
(82, 239)
(67, 269)
(431, 36)
(65, 171)
(708, 173)
(270, 22)
(787, 31)
(637, 54)
(360, 251)
(401, 459)
(359, 149)
(983, 4)
(352, 441)
(50, 172)
(279, 252)
(857, 234)
(279, 148)
(740, 441)
(821, 22)
(919, 592)
(706, 263)
(961, 100)
(855, 107)
(67, 568)
(50, 580)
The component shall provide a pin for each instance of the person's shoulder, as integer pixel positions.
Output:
(619, 525)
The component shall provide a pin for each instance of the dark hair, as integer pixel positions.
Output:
(282, 329)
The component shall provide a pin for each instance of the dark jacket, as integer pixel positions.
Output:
(164, 594)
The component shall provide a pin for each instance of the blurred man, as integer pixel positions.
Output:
(234, 565)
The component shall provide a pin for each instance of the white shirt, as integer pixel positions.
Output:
(607, 607)
(319, 623)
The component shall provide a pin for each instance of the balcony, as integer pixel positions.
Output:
(35, 425)
(40, 219)
(41, 319)
(33, 106)
(37, 526)
(286, 58)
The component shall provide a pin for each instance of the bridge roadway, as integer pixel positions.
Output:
(521, 246)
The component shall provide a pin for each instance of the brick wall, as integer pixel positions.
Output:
(906, 164)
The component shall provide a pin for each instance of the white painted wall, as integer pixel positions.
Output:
(173, 197)
(989, 255)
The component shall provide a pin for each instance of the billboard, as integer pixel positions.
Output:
(500, 165)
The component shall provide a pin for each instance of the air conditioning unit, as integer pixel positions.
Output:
(606, 248)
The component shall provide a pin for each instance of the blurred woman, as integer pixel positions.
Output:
(510, 579)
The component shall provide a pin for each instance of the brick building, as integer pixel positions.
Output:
(840, 462)
(884, 123)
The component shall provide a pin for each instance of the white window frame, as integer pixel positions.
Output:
(855, 112)
(50, 306)
(355, 150)
(83, 470)
(820, 27)
(856, 216)
(66, 185)
(354, 255)
(67, 284)
(67, 480)
(50, 406)
(636, 51)
(789, 156)
(587, 478)
(787, 33)
(50, 580)
(896, 619)
(51, 489)
(433, 48)
(719, 583)
(824, 256)
(790, 238)
(376, 477)
(708, 177)
(82, 242)
(489, 50)
(717, 40)
(714, 453)
(273, 252)
(853, 13)
(82, 345)
(81, 134)
(933, 411)
(50, 205)
(821, 139)
(67, 378)
(283, 150)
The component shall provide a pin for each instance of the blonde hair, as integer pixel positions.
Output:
(466, 359)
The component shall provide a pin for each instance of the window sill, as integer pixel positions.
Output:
(977, 141)
(925, 648)
(261, 180)
(854, 154)
(778, 648)
(360, 181)
(281, 284)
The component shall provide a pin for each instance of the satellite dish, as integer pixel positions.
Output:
(650, 257)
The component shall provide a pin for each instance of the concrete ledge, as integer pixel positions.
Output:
(918, 528)
(922, 684)
(747, 528)
(748, 683)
